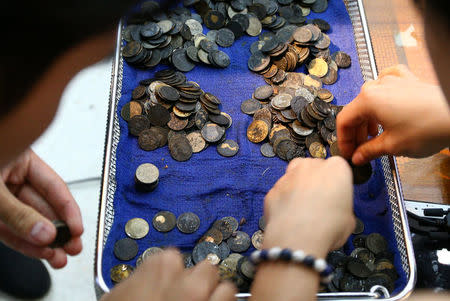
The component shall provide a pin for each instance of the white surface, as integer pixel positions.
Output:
(73, 146)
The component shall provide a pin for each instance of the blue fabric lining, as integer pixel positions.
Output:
(212, 186)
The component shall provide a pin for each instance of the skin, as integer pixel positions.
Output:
(32, 193)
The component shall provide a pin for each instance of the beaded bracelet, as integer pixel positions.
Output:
(319, 265)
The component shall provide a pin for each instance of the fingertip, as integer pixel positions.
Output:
(358, 158)
(74, 246)
(42, 233)
(59, 260)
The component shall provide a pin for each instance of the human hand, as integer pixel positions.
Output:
(311, 206)
(163, 278)
(415, 117)
(31, 195)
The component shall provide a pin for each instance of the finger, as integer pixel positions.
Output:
(59, 259)
(28, 195)
(74, 246)
(294, 164)
(24, 221)
(202, 281)
(55, 191)
(373, 127)
(164, 268)
(370, 150)
(20, 245)
(397, 70)
(361, 134)
(224, 292)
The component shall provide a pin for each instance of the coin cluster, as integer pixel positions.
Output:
(175, 38)
(167, 109)
(370, 263)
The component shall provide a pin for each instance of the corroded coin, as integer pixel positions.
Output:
(376, 243)
(281, 101)
(224, 250)
(148, 141)
(231, 261)
(213, 235)
(228, 148)
(177, 124)
(342, 59)
(267, 150)
(226, 273)
(180, 148)
(150, 252)
(234, 224)
(63, 235)
(246, 268)
(212, 132)
(302, 34)
(334, 149)
(317, 150)
(125, 249)
(239, 242)
(250, 106)
(262, 223)
(318, 67)
(131, 109)
(359, 227)
(263, 92)
(188, 222)
(201, 117)
(158, 115)
(257, 239)
(136, 228)
(196, 141)
(137, 124)
(257, 131)
(225, 227)
(203, 249)
(164, 221)
(120, 272)
(358, 268)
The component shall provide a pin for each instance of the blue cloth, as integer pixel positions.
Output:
(213, 186)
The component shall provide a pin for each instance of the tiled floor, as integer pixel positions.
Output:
(73, 146)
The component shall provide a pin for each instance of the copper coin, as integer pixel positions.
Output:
(213, 235)
(180, 148)
(148, 141)
(257, 239)
(120, 272)
(188, 222)
(334, 149)
(302, 34)
(196, 141)
(257, 131)
(239, 242)
(250, 106)
(318, 67)
(137, 124)
(342, 59)
(158, 115)
(131, 109)
(212, 132)
(177, 124)
(317, 150)
(164, 221)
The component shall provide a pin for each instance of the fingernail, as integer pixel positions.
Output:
(41, 233)
(357, 158)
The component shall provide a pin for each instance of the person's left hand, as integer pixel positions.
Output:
(31, 196)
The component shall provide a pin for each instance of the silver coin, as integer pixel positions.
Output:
(281, 101)
(150, 252)
(300, 129)
(302, 91)
(194, 26)
(137, 228)
(254, 27)
(147, 173)
(212, 35)
(203, 56)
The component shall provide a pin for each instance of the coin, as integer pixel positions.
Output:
(196, 141)
(214, 19)
(228, 148)
(136, 228)
(257, 131)
(213, 235)
(158, 115)
(254, 27)
(224, 250)
(234, 224)
(177, 124)
(180, 148)
(302, 34)
(63, 235)
(224, 227)
(150, 252)
(187, 259)
(137, 124)
(148, 141)
(281, 101)
(239, 242)
(131, 109)
(226, 273)
(317, 150)
(220, 119)
(358, 268)
(201, 117)
(376, 243)
(212, 258)
(231, 261)
(359, 241)
(212, 132)
(164, 221)
(318, 67)
(257, 239)
(250, 106)
(359, 228)
(267, 150)
(146, 174)
(120, 272)
(263, 92)
(380, 279)
(125, 249)
(188, 222)
(168, 93)
(225, 37)
(258, 61)
(342, 59)
(262, 223)
(203, 249)
(181, 61)
(246, 268)
(361, 173)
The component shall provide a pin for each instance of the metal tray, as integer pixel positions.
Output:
(355, 9)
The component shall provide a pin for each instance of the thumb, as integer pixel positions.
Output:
(23, 220)
(370, 150)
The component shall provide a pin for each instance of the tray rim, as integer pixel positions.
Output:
(100, 284)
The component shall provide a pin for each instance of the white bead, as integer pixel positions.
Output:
(274, 253)
(298, 256)
(320, 265)
(255, 256)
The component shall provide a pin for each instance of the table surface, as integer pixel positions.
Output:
(397, 34)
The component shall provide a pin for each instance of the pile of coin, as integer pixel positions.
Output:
(370, 263)
(175, 38)
(169, 110)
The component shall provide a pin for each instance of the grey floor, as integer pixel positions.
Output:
(73, 146)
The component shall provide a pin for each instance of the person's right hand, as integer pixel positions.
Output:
(415, 117)
(163, 278)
